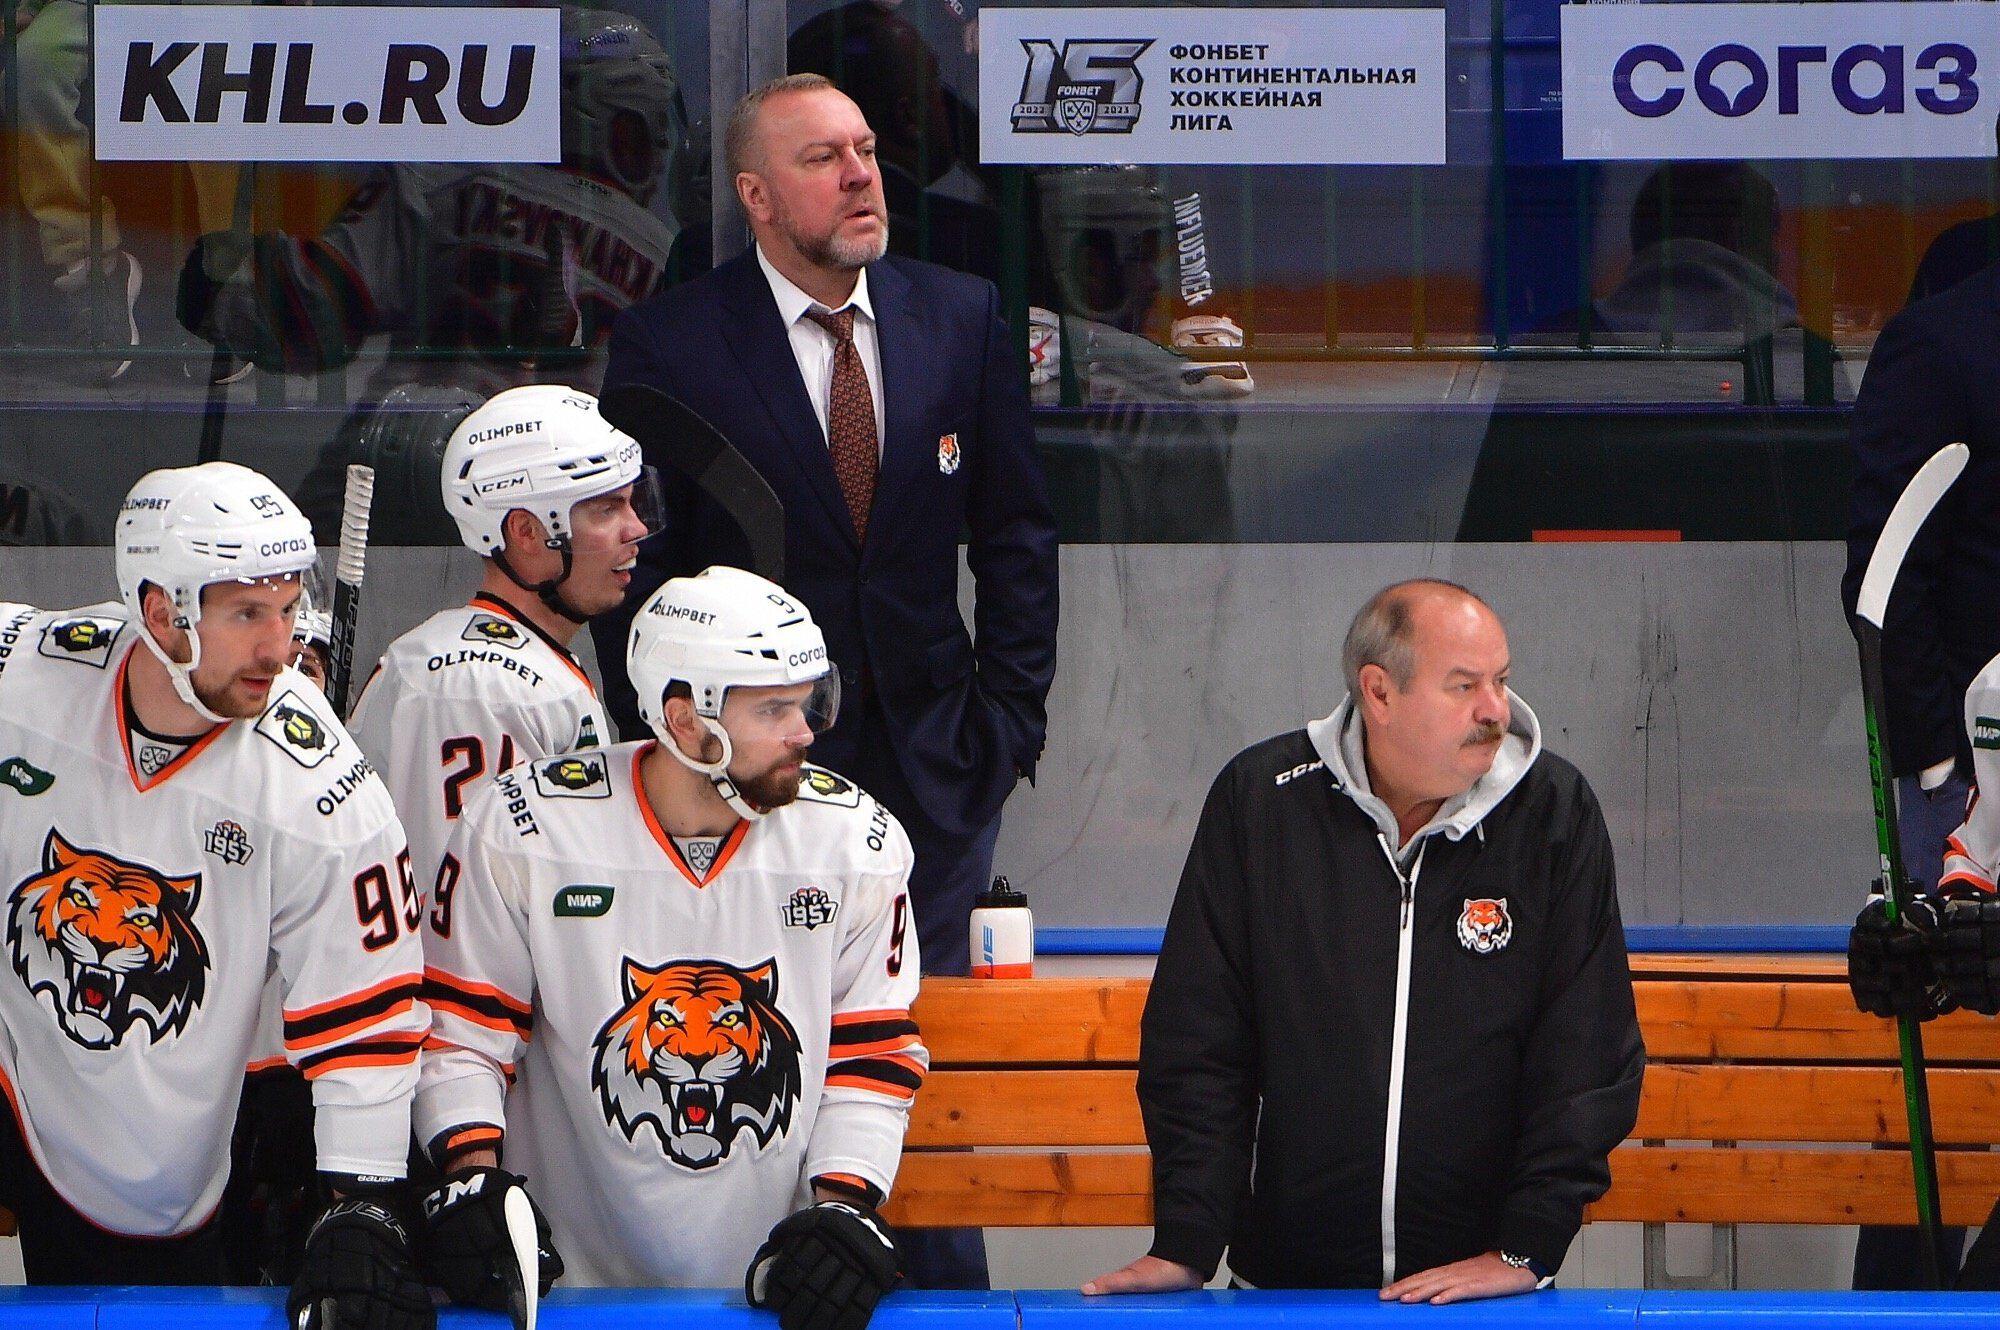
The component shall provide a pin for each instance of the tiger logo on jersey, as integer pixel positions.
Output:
(108, 943)
(699, 1053)
(1484, 926)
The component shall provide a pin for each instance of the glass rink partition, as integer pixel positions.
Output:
(1567, 303)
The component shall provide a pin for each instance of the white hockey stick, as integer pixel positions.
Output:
(348, 571)
(520, 1213)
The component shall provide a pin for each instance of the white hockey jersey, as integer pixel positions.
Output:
(1972, 853)
(145, 914)
(693, 1047)
(461, 697)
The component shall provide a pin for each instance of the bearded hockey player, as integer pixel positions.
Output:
(179, 813)
(695, 954)
(557, 502)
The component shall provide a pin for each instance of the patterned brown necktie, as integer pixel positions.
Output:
(850, 419)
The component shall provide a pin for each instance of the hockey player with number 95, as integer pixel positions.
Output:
(179, 809)
(693, 957)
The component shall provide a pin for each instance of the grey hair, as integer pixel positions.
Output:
(741, 133)
(1383, 634)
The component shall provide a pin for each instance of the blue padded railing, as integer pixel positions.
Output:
(647, 1309)
(1638, 937)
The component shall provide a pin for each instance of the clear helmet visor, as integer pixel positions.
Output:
(250, 600)
(622, 517)
(782, 711)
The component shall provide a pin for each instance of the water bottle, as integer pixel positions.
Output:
(1003, 934)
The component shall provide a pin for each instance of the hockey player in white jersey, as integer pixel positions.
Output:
(181, 816)
(694, 954)
(557, 502)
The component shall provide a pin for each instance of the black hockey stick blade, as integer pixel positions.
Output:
(1916, 503)
(671, 432)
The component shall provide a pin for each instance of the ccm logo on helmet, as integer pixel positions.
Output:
(296, 545)
(503, 431)
(512, 481)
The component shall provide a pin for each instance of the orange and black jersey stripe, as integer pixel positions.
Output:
(382, 1050)
(875, 1050)
(331, 1022)
(482, 1004)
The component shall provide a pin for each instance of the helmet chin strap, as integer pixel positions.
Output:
(716, 771)
(180, 675)
(549, 592)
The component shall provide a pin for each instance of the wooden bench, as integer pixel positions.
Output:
(1762, 1084)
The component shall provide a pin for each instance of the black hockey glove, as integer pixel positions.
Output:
(467, 1250)
(1889, 965)
(359, 1274)
(1966, 952)
(824, 1267)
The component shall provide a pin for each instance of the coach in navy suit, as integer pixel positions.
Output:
(937, 723)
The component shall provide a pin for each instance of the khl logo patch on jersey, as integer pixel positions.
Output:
(227, 841)
(152, 758)
(107, 943)
(297, 731)
(581, 776)
(493, 629)
(25, 776)
(1484, 925)
(83, 638)
(808, 908)
(723, 1062)
(948, 454)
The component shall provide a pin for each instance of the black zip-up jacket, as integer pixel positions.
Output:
(1270, 1030)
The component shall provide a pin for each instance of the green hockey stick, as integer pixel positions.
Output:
(1914, 505)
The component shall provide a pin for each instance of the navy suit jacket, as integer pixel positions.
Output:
(1933, 379)
(966, 714)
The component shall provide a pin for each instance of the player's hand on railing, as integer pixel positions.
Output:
(358, 1272)
(1486, 1276)
(1966, 952)
(469, 1252)
(1148, 1274)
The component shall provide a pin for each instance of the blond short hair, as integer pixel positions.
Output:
(741, 135)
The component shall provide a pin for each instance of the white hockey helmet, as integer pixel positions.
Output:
(726, 628)
(542, 448)
(191, 527)
(621, 106)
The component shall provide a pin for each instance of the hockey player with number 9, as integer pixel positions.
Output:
(695, 954)
(557, 501)
(179, 809)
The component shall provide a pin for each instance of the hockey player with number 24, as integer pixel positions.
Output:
(696, 954)
(178, 809)
(556, 501)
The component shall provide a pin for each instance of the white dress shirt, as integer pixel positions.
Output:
(813, 346)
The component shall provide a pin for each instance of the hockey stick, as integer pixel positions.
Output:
(347, 574)
(520, 1212)
(670, 432)
(1919, 497)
